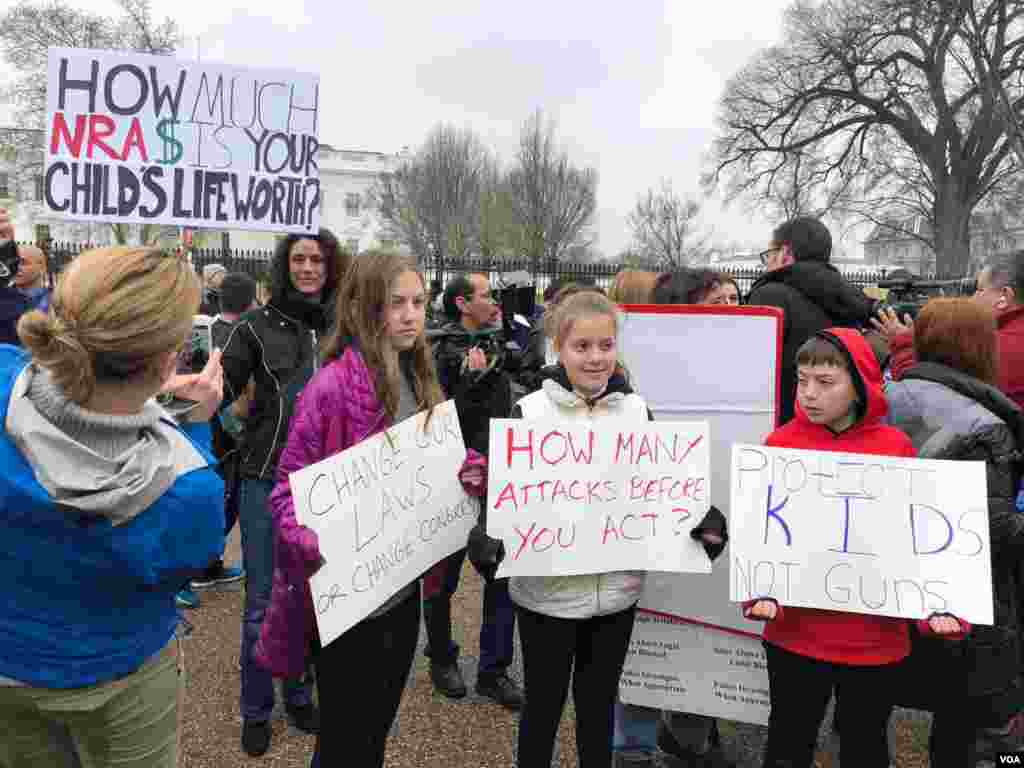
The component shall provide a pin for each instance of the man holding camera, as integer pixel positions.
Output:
(469, 359)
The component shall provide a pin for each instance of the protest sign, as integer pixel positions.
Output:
(385, 511)
(735, 392)
(861, 533)
(157, 140)
(576, 498)
(672, 664)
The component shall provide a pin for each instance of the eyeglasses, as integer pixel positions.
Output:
(764, 255)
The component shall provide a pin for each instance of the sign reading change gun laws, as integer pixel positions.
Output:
(571, 499)
(157, 140)
(385, 511)
(863, 534)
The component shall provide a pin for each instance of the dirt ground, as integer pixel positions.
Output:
(431, 731)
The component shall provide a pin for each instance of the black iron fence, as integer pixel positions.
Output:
(257, 262)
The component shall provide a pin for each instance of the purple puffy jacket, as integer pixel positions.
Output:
(337, 409)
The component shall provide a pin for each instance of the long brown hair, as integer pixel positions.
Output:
(365, 291)
(960, 333)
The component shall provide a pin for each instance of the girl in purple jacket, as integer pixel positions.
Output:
(378, 371)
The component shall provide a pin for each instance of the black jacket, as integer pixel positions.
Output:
(479, 395)
(278, 347)
(950, 415)
(814, 296)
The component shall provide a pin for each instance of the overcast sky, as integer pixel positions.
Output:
(633, 86)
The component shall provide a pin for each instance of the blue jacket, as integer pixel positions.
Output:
(89, 584)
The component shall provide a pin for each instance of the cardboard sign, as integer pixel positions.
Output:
(688, 668)
(133, 138)
(591, 498)
(385, 511)
(862, 534)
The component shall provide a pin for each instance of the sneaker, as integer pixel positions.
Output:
(448, 680)
(186, 598)
(502, 689)
(218, 574)
(306, 719)
(255, 738)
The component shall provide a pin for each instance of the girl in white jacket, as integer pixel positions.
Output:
(578, 627)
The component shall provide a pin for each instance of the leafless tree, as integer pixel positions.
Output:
(665, 228)
(553, 200)
(29, 28)
(433, 200)
(885, 96)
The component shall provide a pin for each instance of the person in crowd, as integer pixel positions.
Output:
(276, 347)
(24, 280)
(811, 292)
(99, 480)
(577, 627)
(694, 286)
(482, 391)
(213, 276)
(377, 372)
(1001, 288)
(237, 296)
(633, 286)
(730, 291)
(949, 406)
(840, 407)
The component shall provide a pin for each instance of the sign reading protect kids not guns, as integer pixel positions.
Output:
(384, 512)
(862, 534)
(156, 140)
(572, 499)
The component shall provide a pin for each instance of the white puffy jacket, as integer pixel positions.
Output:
(596, 594)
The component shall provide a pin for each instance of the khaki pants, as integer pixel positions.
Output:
(126, 723)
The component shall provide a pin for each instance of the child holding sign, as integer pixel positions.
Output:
(378, 372)
(578, 627)
(839, 407)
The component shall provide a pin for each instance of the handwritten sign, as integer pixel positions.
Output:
(862, 534)
(569, 499)
(157, 140)
(685, 667)
(385, 511)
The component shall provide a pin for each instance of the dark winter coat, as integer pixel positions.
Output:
(950, 415)
(278, 347)
(479, 395)
(814, 296)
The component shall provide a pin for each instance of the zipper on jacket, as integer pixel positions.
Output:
(316, 351)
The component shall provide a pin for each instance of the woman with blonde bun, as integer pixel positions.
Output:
(107, 506)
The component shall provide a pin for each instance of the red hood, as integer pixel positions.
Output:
(867, 377)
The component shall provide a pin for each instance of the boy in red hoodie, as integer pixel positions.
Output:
(839, 407)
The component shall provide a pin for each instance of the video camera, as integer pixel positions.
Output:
(908, 292)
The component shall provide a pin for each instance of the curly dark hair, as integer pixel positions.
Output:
(337, 258)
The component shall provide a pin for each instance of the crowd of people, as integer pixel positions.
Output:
(134, 499)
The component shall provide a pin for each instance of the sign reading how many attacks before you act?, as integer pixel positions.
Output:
(595, 497)
(863, 534)
(134, 138)
(384, 511)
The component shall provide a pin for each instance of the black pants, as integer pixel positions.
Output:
(360, 678)
(591, 652)
(800, 691)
